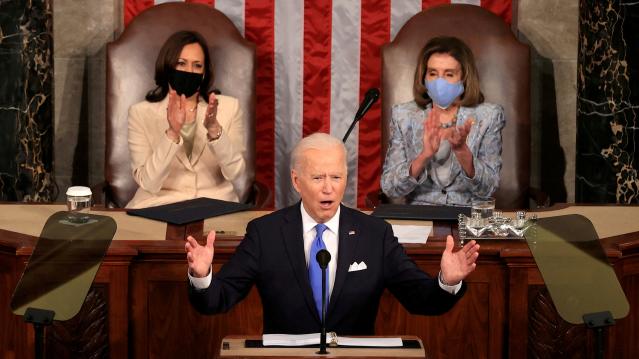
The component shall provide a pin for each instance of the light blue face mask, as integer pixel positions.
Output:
(442, 92)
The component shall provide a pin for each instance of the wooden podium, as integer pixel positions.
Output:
(131, 308)
(233, 347)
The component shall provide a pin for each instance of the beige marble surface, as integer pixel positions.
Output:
(29, 219)
(233, 224)
(608, 220)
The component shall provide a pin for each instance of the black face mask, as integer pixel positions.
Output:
(185, 83)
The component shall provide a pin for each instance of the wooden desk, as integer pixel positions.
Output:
(138, 306)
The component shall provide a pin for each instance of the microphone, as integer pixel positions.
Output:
(323, 257)
(370, 98)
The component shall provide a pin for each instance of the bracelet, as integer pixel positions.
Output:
(217, 135)
(176, 141)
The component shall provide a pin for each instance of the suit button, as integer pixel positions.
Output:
(443, 191)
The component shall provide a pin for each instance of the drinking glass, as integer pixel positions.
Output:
(483, 207)
(78, 203)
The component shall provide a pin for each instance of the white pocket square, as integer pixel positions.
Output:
(357, 267)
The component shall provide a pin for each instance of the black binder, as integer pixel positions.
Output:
(190, 210)
(420, 212)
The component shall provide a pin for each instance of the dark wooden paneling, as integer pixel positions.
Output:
(101, 327)
(85, 335)
(506, 312)
(8, 321)
(621, 346)
(546, 326)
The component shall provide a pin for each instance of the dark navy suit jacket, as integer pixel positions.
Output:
(271, 256)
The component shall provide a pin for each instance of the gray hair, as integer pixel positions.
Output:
(317, 141)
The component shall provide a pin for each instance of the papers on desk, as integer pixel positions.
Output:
(290, 340)
(296, 340)
(369, 342)
(411, 233)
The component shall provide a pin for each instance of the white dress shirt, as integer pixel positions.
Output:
(330, 238)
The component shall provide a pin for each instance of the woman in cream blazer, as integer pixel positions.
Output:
(182, 146)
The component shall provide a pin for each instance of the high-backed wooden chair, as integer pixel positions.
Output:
(130, 75)
(504, 73)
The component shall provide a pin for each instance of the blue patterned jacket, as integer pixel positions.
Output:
(484, 141)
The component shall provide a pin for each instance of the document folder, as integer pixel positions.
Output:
(420, 212)
(189, 211)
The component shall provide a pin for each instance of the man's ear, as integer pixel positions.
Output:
(294, 179)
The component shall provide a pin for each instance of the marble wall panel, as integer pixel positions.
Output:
(608, 102)
(550, 29)
(565, 74)
(81, 34)
(96, 108)
(26, 107)
(69, 84)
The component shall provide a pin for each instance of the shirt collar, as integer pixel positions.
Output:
(309, 223)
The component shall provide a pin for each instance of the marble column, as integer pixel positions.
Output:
(550, 28)
(80, 35)
(26, 109)
(608, 102)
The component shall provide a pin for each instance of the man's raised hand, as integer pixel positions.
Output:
(200, 257)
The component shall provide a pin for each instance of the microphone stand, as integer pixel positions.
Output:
(370, 98)
(40, 318)
(323, 257)
(355, 120)
(323, 333)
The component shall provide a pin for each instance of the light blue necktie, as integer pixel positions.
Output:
(314, 270)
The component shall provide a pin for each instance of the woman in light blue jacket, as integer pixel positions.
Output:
(445, 146)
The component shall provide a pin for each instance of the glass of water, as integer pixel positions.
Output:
(78, 203)
(482, 207)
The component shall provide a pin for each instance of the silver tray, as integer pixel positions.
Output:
(497, 226)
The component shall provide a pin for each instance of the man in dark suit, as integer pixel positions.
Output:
(278, 255)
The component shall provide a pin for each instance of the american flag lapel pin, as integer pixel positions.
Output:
(351, 232)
